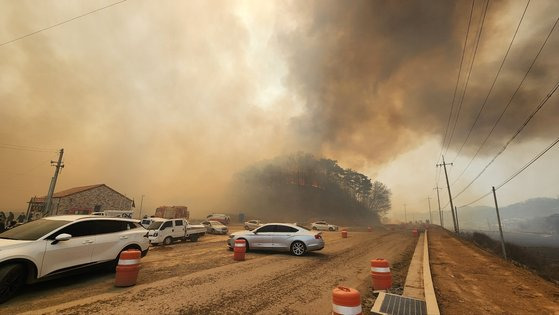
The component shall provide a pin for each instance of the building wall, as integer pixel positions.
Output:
(84, 202)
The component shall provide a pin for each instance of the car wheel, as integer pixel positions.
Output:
(12, 278)
(168, 240)
(246, 244)
(194, 238)
(298, 248)
(331, 228)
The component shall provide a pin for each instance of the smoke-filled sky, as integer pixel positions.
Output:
(169, 99)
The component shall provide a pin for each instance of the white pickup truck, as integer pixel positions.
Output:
(166, 231)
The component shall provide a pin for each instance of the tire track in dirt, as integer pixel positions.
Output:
(272, 283)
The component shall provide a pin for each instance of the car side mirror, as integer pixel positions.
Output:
(61, 237)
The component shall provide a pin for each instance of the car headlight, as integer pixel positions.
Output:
(155, 234)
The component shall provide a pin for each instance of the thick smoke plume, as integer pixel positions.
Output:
(377, 77)
(169, 99)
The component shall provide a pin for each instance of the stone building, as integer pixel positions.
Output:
(80, 200)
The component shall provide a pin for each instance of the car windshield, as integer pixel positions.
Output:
(155, 225)
(33, 230)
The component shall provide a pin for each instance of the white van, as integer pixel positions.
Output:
(166, 231)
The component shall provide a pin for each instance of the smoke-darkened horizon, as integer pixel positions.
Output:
(170, 99)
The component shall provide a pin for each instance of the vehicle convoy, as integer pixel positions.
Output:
(323, 226)
(223, 218)
(215, 227)
(252, 224)
(167, 231)
(281, 237)
(53, 246)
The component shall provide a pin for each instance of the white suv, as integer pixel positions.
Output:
(53, 246)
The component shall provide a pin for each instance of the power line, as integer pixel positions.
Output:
(456, 86)
(509, 102)
(524, 124)
(518, 172)
(60, 23)
(493, 84)
(528, 164)
(24, 148)
(468, 77)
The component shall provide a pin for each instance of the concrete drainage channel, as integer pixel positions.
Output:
(419, 293)
(418, 296)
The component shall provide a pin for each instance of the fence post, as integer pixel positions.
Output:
(499, 221)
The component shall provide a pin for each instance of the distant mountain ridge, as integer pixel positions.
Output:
(533, 215)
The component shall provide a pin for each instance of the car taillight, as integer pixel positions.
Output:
(318, 236)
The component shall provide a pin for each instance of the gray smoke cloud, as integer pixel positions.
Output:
(169, 99)
(377, 77)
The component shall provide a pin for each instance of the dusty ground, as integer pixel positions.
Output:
(202, 278)
(470, 280)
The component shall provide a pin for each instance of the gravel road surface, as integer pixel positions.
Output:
(202, 278)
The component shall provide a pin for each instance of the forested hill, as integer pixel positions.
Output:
(303, 188)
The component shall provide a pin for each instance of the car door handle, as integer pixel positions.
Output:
(123, 237)
(87, 242)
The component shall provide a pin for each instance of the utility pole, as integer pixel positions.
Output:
(141, 204)
(59, 165)
(405, 214)
(444, 164)
(499, 221)
(439, 202)
(457, 225)
(430, 216)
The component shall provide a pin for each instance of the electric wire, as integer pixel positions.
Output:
(467, 77)
(60, 23)
(508, 104)
(456, 87)
(492, 84)
(518, 172)
(518, 131)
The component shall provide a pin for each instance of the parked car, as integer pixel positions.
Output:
(146, 222)
(323, 226)
(215, 227)
(252, 224)
(54, 246)
(166, 231)
(224, 219)
(115, 213)
(280, 237)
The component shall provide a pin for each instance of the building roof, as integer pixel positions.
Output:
(72, 191)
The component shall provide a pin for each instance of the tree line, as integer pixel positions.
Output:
(305, 188)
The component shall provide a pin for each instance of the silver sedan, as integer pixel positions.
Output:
(280, 237)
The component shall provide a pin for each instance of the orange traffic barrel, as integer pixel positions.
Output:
(346, 301)
(344, 234)
(239, 250)
(414, 232)
(369, 229)
(380, 274)
(128, 268)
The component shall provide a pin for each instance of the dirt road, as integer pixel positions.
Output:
(470, 280)
(202, 278)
